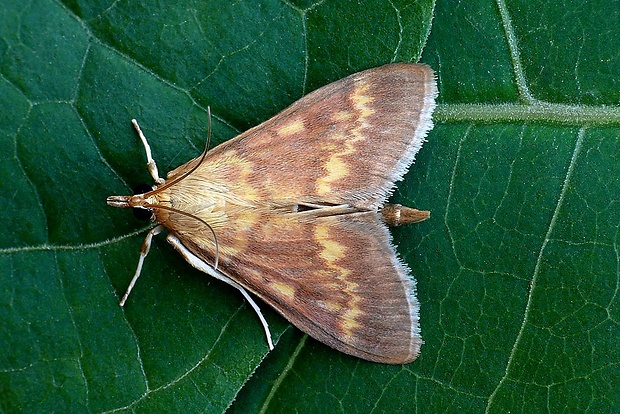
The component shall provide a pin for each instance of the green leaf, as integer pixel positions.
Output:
(517, 269)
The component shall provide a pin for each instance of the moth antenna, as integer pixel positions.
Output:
(146, 247)
(208, 143)
(190, 215)
(166, 184)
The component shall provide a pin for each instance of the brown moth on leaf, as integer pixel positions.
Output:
(293, 211)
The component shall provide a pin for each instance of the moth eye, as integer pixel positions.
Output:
(139, 212)
(142, 188)
(142, 213)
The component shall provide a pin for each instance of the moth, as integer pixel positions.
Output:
(293, 211)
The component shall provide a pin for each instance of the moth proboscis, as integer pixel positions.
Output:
(293, 211)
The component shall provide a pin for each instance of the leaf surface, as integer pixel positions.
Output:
(517, 269)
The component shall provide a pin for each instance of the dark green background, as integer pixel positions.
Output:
(517, 269)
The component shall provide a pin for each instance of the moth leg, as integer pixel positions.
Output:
(144, 250)
(203, 266)
(151, 166)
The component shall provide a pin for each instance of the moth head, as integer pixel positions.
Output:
(139, 202)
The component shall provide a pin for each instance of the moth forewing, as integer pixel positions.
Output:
(296, 205)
